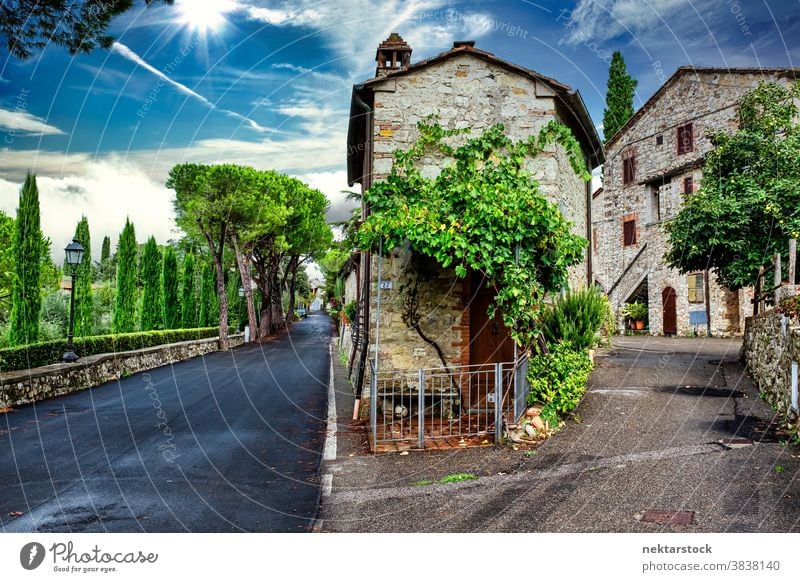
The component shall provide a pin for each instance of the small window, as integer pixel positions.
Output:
(628, 167)
(655, 204)
(659, 139)
(685, 138)
(629, 232)
(595, 242)
(688, 185)
(696, 288)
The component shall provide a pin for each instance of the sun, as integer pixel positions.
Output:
(204, 16)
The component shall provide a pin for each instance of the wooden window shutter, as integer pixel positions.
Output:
(629, 233)
(685, 138)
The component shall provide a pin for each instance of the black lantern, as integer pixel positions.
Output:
(74, 252)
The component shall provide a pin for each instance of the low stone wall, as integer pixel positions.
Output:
(771, 344)
(26, 386)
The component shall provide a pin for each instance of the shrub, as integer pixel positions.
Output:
(350, 310)
(790, 306)
(44, 353)
(636, 311)
(575, 318)
(558, 378)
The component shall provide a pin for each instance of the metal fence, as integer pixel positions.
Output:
(415, 406)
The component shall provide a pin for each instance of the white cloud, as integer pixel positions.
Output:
(106, 191)
(25, 123)
(600, 20)
(334, 186)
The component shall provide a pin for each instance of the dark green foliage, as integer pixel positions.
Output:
(28, 252)
(209, 300)
(575, 318)
(152, 309)
(84, 309)
(125, 299)
(169, 290)
(558, 378)
(749, 204)
(619, 96)
(45, 353)
(188, 293)
(350, 310)
(6, 264)
(105, 269)
(79, 26)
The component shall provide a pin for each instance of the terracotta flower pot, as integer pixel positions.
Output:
(638, 324)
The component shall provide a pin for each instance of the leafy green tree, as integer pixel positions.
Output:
(169, 290)
(483, 213)
(748, 206)
(619, 96)
(188, 294)
(28, 252)
(80, 26)
(84, 308)
(207, 202)
(125, 299)
(6, 264)
(152, 309)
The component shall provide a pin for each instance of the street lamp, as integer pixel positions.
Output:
(74, 252)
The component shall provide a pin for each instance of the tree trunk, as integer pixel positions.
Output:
(224, 341)
(291, 271)
(271, 308)
(243, 261)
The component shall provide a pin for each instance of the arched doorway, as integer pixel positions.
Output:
(669, 312)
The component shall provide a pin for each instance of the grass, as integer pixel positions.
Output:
(455, 478)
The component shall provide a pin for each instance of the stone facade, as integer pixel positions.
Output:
(771, 346)
(27, 386)
(465, 88)
(663, 172)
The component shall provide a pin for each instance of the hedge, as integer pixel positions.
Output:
(44, 353)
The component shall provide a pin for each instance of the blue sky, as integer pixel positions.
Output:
(267, 83)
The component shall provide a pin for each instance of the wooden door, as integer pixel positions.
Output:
(669, 312)
(489, 339)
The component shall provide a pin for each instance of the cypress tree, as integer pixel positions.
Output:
(188, 294)
(151, 314)
(84, 306)
(125, 298)
(209, 300)
(28, 250)
(169, 290)
(105, 259)
(619, 96)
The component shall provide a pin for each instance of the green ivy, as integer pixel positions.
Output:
(483, 213)
(558, 378)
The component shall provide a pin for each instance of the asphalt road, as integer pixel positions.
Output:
(226, 442)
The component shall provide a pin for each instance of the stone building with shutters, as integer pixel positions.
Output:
(652, 163)
(464, 87)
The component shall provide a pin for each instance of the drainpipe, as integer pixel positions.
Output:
(708, 302)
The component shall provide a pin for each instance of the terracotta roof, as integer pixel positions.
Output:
(681, 71)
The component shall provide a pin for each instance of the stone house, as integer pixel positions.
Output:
(652, 162)
(465, 87)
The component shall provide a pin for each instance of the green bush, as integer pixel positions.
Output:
(44, 353)
(558, 378)
(350, 310)
(575, 318)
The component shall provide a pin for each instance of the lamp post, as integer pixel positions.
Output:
(74, 252)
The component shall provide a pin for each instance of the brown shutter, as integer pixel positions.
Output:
(629, 233)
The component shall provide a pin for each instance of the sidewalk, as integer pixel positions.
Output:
(658, 430)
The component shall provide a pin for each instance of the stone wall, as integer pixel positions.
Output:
(464, 92)
(26, 386)
(771, 344)
(709, 100)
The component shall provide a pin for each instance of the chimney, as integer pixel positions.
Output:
(393, 54)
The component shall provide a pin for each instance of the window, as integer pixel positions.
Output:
(685, 138)
(696, 288)
(628, 167)
(688, 185)
(629, 232)
(655, 203)
(595, 242)
(659, 139)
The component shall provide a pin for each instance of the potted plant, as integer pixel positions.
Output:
(636, 312)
